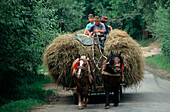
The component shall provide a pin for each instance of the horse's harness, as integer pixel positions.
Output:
(109, 74)
(88, 69)
(103, 72)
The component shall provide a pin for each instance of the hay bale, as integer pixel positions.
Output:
(120, 41)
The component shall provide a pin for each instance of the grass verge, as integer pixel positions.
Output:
(22, 105)
(158, 61)
(31, 96)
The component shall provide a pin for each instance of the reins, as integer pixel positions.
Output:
(101, 54)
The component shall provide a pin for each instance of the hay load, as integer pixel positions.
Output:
(120, 41)
(60, 55)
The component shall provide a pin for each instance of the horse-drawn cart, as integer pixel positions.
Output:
(110, 71)
(60, 55)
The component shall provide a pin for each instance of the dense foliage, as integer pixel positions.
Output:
(161, 28)
(28, 26)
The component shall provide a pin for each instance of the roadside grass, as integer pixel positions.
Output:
(31, 96)
(158, 61)
(146, 42)
(22, 105)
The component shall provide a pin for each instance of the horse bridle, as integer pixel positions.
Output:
(84, 68)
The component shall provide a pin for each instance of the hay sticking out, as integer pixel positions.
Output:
(120, 41)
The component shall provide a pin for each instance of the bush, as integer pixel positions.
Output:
(27, 26)
(166, 50)
(161, 28)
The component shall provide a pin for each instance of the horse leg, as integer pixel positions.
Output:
(85, 100)
(79, 96)
(107, 105)
(116, 96)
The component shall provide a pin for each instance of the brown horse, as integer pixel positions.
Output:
(111, 74)
(82, 71)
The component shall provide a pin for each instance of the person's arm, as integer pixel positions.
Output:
(110, 28)
(101, 31)
(90, 34)
(90, 30)
(86, 30)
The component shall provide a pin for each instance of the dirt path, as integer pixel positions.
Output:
(151, 50)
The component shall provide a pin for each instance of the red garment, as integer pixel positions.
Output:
(75, 65)
(122, 67)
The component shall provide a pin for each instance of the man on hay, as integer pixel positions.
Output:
(99, 29)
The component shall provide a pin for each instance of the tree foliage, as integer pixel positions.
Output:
(26, 27)
(122, 14)
(70, 14)
(161, 28)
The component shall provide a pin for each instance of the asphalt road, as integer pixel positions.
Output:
(152, 95)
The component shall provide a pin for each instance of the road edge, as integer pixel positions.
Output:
(155, 72)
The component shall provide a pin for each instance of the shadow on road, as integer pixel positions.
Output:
(126, 98)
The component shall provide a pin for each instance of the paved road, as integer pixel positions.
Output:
(152, 95)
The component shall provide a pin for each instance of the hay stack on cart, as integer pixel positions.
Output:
(61, 53)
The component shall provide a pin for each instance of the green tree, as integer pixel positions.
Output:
(161, 28)
(148, 8)
(126, 16)
(70, 14)
(26, 27)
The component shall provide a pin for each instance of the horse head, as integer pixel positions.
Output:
(81, 66)
(114, 63)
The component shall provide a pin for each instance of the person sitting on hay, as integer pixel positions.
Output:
(98, 29)
(91, 20)
(107, 27)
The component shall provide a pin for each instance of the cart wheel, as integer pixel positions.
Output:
(75, 98)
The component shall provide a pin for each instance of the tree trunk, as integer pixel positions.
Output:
(145, 33)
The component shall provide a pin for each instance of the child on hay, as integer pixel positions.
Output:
(98, 27)
(91, 20)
